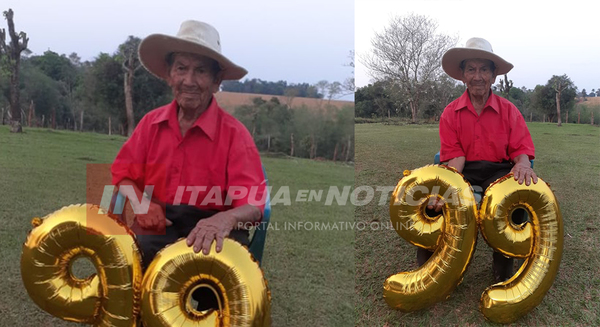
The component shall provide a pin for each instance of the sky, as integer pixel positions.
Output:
(540, 38)
(296, 41)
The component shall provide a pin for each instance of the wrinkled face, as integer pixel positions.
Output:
(478, 76)
(193, 80)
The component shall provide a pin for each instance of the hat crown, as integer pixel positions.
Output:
(201, 33)
(479, 43)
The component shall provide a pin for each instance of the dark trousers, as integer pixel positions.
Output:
(184, 218)
(480, 175)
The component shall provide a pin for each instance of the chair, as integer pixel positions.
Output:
(257, 243)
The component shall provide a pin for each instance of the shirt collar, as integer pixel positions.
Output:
(207, 121)
(465, 102)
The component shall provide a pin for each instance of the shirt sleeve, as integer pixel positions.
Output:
(131, 159)
(246, 183)
(450, 147)
(519, 140)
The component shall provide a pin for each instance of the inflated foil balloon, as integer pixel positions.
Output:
(107, 298)
(452, 235)
(539, 241)
(235, 278)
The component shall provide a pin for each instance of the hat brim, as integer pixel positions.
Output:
(453, 57)
(155, 48)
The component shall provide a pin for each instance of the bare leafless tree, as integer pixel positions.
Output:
(408, 52)
(348, 86)
(131, 63)
(12, 49)
(559, 84)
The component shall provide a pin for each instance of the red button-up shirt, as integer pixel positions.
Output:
(498, 134)
(217, 157)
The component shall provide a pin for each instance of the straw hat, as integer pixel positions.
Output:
(193, 37)
(474, 48)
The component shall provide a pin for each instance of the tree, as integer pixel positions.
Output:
(408, 53)
(348, 86)
(593, 93)
(61, 69)
(12, 50)
(560, 84)
(543, 99)
(583, 94)
(333, 90)
(131, 63)
(505, 86)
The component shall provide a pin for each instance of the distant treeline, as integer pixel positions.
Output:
(258, 86)
(326, 133)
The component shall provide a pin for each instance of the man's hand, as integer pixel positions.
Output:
(154, 219)
(435, 204)
(207, 230)
(524, 172)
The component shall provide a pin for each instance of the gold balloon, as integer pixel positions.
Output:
(540, 241)
(107, 298)
(452, 235)
(233, 275)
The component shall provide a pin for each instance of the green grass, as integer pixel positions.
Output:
(568, 158)
(310, 273)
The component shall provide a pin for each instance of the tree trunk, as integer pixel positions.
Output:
(268, 142)
(335, 151)
(578, 117)
(128, 83)
(29, 114)
(2, 117)
(12, 49)
(567, 118)
(43, 120)
(592, 122)
(348, 150)
(413, 109)
(15, 110)
(530, 117)
(81, 121)
(109, 126)
(558, 108)
(291, 144)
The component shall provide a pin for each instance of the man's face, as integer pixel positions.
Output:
(192, 80)
(478, 76)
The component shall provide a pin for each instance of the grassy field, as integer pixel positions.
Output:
(568, 158)
(310, 273)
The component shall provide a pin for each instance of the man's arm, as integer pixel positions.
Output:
(155, 217)
(522, 170)
(219, 226)
(458, 163)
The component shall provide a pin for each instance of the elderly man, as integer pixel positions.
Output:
(190, 150)
(482, 135)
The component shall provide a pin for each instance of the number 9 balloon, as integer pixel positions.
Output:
(56, 241)
(539, 242)
(452, 235)
(232, 275)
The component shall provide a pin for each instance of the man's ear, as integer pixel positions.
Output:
(217, 81)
